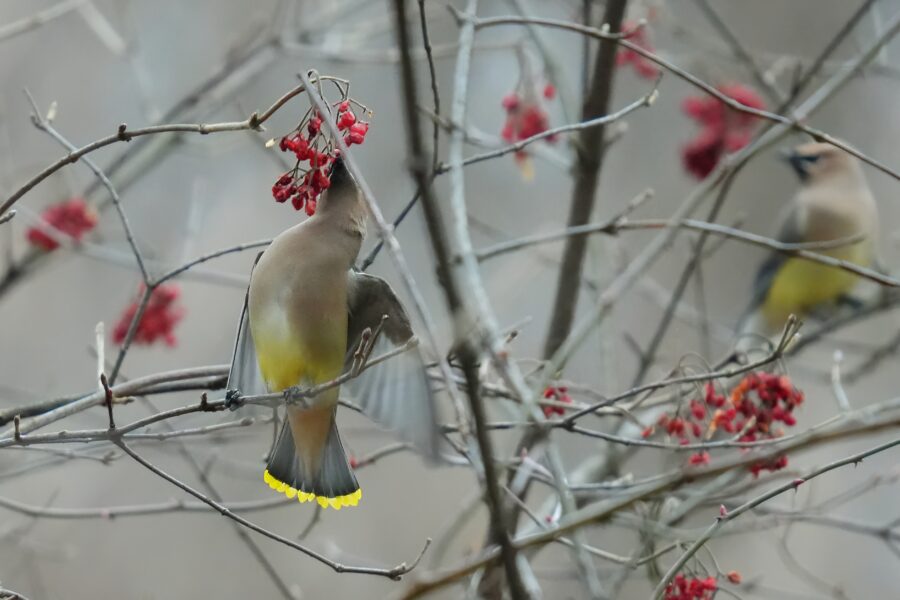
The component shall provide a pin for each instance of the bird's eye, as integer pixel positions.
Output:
(811, 158)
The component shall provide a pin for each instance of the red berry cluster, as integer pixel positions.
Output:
(73, 218)
(762, 400)
(526, 116)
(559, 393)
(626, 56)
(691, 588)
(159, 318)
(753, 409)
(302, 184)
(723, 129)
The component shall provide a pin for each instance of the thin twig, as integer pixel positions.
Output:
(890, 30)
(646, 100)
(455, 303)
(44, 124)
(730, 515)
(394, 573)
(36, 20)
(123, 134)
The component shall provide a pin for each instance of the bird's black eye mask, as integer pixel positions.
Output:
(801, 163)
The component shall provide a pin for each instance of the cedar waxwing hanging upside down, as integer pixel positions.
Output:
(303, 319)
(833, 203)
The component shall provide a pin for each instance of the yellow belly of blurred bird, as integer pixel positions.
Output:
(802, 285)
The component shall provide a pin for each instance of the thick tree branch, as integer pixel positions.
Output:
(588, 164)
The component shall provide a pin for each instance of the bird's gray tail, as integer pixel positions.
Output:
(328, 478)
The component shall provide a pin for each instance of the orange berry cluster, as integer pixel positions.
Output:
(752, 411)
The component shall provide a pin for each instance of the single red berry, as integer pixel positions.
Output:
(314, 126)
(510, 102)
(699, 458)
(346, 120)
(697, 430)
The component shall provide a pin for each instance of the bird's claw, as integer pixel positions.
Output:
(232, 399)
(292, 395)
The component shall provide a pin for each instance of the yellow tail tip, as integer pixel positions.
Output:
(336, 503)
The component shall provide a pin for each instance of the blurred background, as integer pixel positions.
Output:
(108, 62)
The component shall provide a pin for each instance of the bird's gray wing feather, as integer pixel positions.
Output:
(791, 232)
(396, 392)
(245, 376)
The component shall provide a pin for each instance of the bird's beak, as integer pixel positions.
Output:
(798, 162)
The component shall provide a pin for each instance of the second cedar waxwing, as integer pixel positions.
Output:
(833, 203)
(303, 318)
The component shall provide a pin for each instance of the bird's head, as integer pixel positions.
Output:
(339, 174)
(344, 197)
(817, 160)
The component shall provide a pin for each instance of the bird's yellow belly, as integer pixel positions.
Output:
(801, 285)
(288, 357)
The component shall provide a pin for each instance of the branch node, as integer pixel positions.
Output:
(108, 400)
(457, 14)
(122, 134)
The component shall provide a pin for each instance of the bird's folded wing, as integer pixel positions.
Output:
(395, 392)
(245, 376)
(791, 232)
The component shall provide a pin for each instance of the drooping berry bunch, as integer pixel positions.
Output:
(754, 410)
(559, 393)
(72, 217)
(723, 129)
(691, 588)
(637, 35)
(158, 322)
(526, 115)
(315, 151)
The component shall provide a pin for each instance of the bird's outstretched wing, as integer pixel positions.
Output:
(395, 392)
(245, 376)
